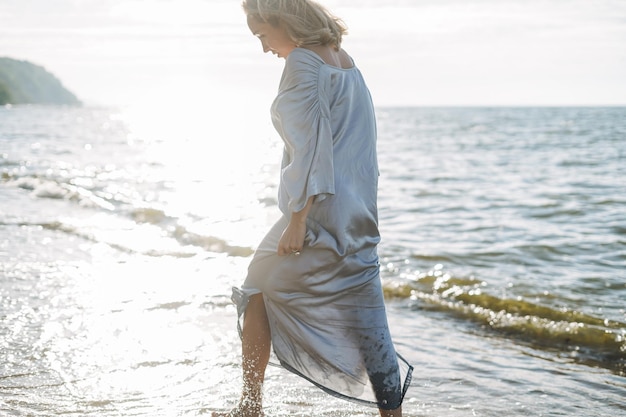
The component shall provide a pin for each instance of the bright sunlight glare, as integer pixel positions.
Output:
(215, 156)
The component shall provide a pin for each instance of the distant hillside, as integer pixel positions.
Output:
(22, 82)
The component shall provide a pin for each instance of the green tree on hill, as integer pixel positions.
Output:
(22, 82)
(5, 96)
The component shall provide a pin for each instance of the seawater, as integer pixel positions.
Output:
(122, 230)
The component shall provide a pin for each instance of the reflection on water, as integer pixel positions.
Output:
(123, 232)
(116, 332)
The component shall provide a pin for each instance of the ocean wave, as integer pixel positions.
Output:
(187, 241)
(5, 162)
(184, 235)
(584, 337)
(49, 188)
(43, 187)
(150, 215)
(210, 243)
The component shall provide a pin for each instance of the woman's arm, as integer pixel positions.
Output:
(292, 239)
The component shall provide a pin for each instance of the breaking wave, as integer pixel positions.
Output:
(580, 336)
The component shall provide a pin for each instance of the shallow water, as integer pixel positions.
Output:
(503, 260)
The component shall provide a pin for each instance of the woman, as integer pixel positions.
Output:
(313, 289)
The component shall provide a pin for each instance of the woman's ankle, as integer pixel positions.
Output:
(252, 402)
(245, 408)
(391, 413)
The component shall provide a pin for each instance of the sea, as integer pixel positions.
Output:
(122, 231)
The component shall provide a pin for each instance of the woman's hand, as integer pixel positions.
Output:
(292, 239)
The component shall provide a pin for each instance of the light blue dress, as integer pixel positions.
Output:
(325, 307)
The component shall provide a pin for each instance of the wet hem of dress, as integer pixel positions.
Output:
(329, 391)
(407, 379)
(240, 298)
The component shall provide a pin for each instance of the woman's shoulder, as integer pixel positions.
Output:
(302, 68)
(305, 58)
(321, 56)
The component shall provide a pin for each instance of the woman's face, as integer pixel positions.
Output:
(273, 38)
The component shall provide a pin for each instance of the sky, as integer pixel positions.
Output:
(411, 52)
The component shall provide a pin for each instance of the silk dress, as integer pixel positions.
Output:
(325, 306)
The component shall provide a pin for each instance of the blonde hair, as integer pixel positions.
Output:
(307, 23)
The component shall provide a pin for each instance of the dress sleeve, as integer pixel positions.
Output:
(301, 118)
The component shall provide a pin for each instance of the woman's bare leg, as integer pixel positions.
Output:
(391, 413)
(255, 352)
(255, 349)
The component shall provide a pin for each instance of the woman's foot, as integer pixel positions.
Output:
(235, 412)
(244, 409)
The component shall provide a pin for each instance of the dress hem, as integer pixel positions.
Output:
(241, 298)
